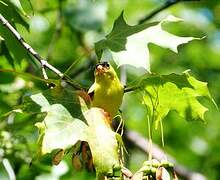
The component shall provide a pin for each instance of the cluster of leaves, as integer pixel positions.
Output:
(11, 48)
(67, 119)
(129, 44)
(62, 130)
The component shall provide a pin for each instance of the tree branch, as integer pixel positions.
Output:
(166, 5)
(30, 50)
(157, 153)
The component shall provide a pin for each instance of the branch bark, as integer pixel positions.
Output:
(30, 50)
(157, 153)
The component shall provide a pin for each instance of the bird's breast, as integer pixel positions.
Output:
(108, 97)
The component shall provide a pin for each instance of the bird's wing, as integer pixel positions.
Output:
(91, 91)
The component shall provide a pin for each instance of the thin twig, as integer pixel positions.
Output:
(157, 153)
(129, 89)
(29, 49)
(166, 5)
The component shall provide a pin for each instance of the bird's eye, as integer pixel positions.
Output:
(106, 64)
(103, 64)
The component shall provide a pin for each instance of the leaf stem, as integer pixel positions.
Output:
(129, 89)
(162, 134)
(150, 138)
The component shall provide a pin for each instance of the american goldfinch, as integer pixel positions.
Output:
(107, 90)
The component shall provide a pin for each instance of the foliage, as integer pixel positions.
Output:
(185, 93)
(129, 44)
(60, 119)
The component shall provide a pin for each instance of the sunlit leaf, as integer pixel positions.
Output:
(4, 51)
(22, 6)
(17, 4)
(68, 98)
(102, 141)
(163, 94)
(3, 3)
(14, 45)
(10, 11)
(116, 40)
(61, 130)
(129, 44)
(12, 15)
(26, 6)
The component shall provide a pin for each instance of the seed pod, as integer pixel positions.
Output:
(147, 170)
(76, 162)
(162, 174)
(147, 163)
(153, 170)
(155, 163)
(164, 163)
(58, 157)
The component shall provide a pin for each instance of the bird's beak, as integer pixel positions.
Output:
(100, 69)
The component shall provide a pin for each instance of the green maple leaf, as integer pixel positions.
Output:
(117, 38)
(63, 124)
(58, 95)
(61, 129)
(129, 44)
(163, 93)
(102, 142)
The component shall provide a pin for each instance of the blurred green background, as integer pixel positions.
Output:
(81, 23)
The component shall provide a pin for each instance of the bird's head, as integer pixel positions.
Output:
(104, 72)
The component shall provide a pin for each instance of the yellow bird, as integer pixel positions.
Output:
(107, 90)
